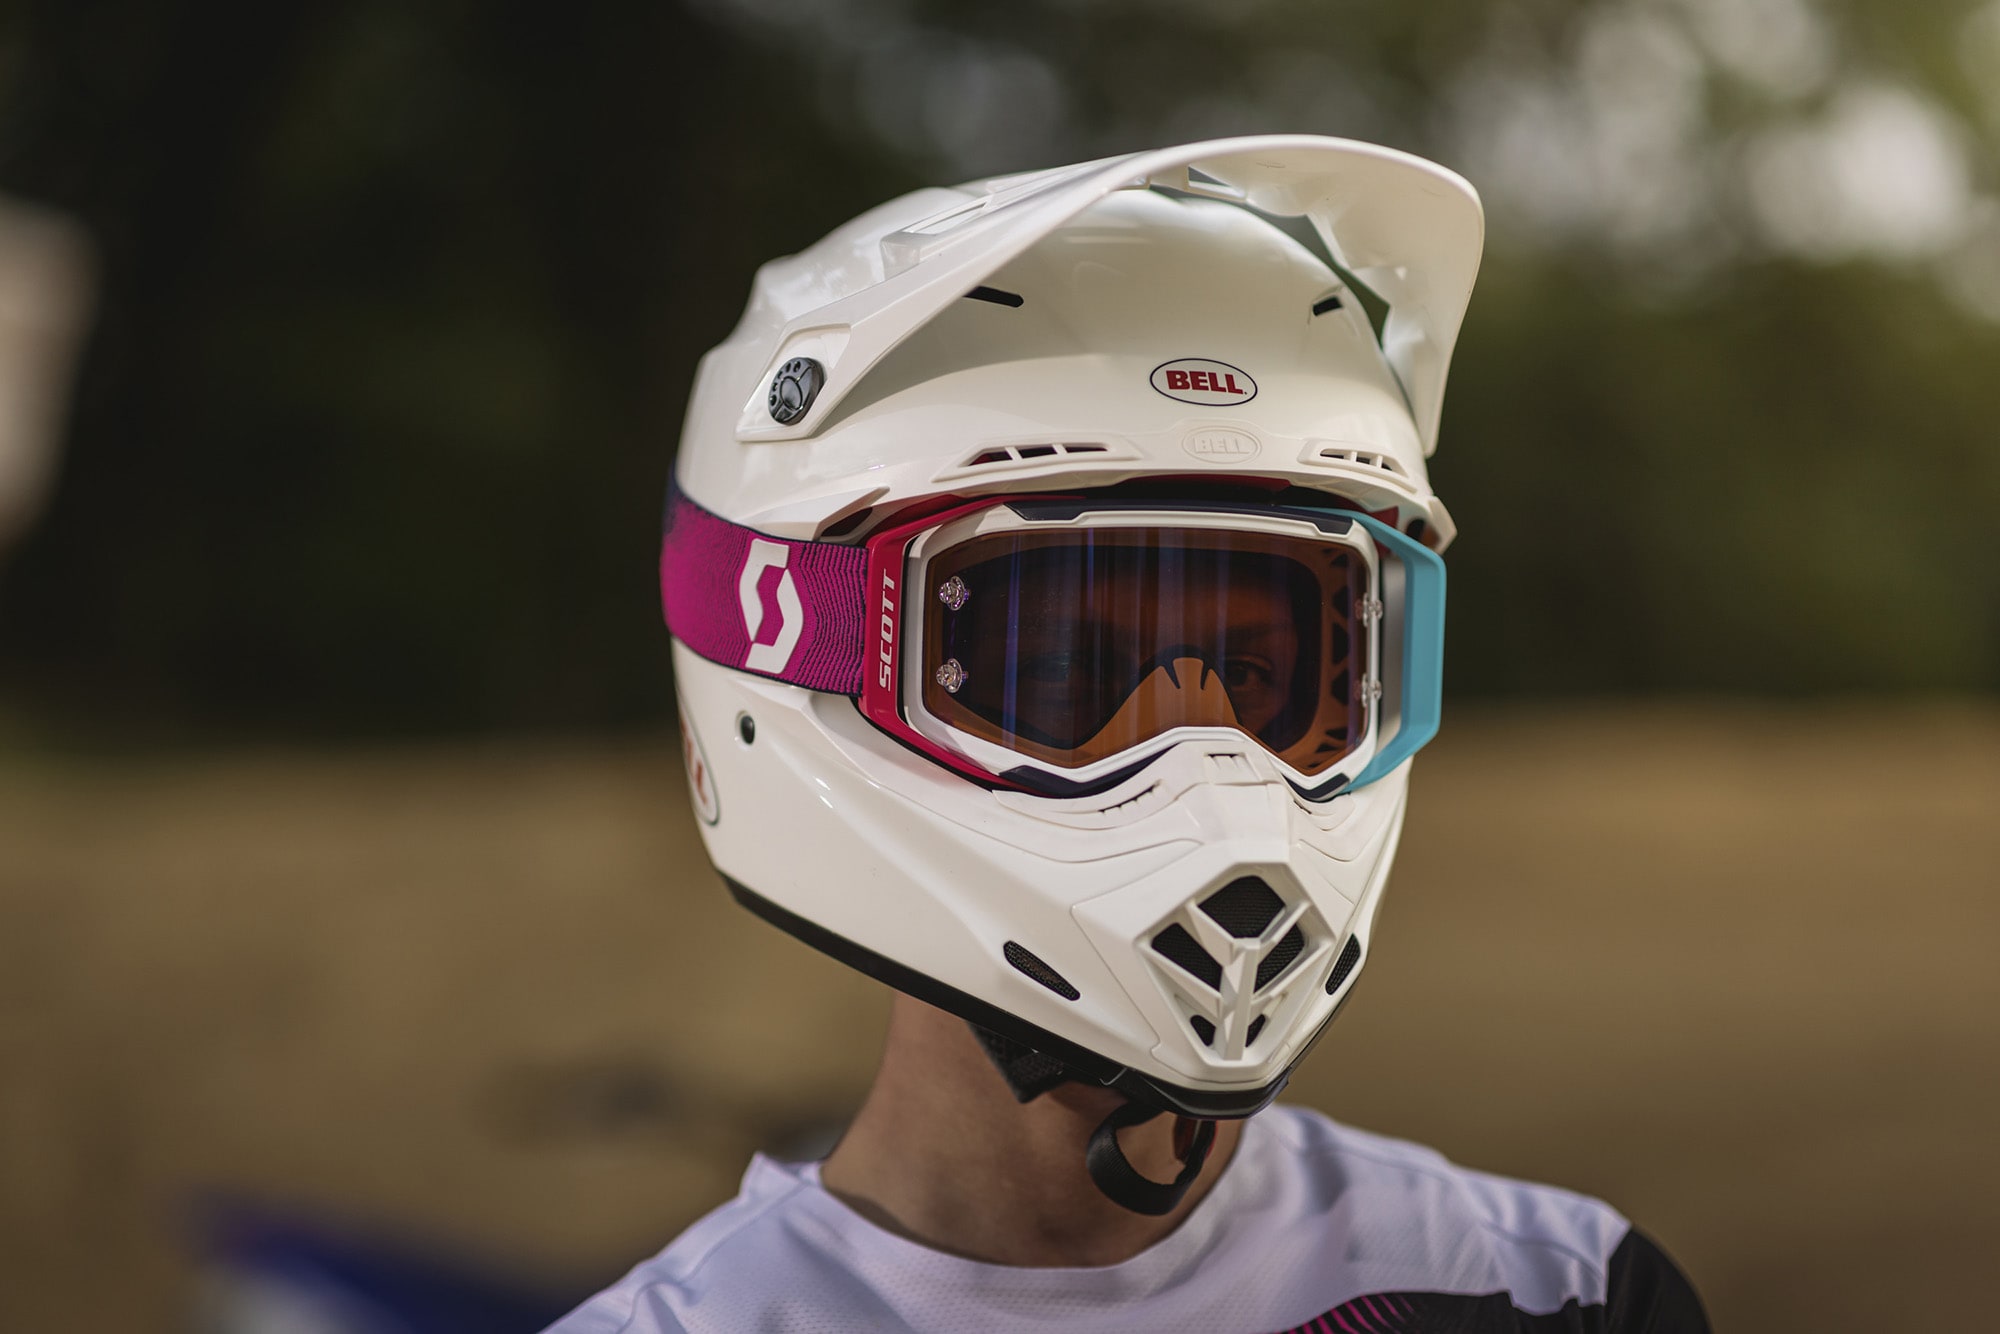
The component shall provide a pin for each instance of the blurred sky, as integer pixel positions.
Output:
(397, 305)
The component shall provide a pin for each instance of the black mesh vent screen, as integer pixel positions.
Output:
(1244, 907)
(1024, 959)
(1288, 948)
(1344, 965)
(1178, 945)
(1256, 1027)
(1203, 1030)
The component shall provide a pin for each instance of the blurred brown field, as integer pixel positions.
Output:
(1729, 966)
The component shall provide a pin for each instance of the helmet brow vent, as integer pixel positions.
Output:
(1179, 946)
(1256, 1027)
(997, 455)
(1244, 907)
(1025, 960)
(1359, 458)
(1349, 956)
(1203, 1030)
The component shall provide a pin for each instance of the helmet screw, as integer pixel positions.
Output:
(951, 676)
(793, 389)
(953, 592)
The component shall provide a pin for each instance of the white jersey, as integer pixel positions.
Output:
(1312, 1227)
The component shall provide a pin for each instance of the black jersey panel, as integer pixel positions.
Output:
(1648, 1294)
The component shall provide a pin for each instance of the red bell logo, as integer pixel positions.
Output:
(701, 783)
(1209, 383)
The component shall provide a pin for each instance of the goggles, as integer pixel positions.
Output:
(1054, 644)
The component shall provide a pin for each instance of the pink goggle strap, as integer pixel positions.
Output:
(786, 609)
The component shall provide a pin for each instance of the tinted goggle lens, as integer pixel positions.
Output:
(1073, 646)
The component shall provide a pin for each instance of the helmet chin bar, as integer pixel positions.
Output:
(1145, 1098)
(1087, 1065)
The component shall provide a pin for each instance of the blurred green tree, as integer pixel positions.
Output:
(401, 302)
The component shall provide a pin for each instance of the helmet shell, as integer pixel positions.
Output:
(1066, 331)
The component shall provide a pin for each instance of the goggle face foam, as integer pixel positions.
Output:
(1070, 647)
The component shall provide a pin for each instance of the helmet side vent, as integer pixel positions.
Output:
(1326, 304)
(1349, 956)
(1026, 961)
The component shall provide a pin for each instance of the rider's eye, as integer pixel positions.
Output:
(1247, 674)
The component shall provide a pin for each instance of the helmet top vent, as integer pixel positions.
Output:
(996, 296)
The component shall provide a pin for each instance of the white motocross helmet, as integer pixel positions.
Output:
(1053, 572)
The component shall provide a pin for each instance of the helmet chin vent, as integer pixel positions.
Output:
(1249, 910)
(1344, 965)
(1205, 1030)
(1178, 945)
(1025, 960)
(1244, 907)
(1289, 947)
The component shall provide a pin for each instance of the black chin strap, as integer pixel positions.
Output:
(1120, 1181)
(1029, 1074)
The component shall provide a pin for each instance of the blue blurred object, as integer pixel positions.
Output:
(272, 1272)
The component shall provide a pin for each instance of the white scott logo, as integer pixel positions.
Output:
(771, 656)
(1210, 383)
(887, 667)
